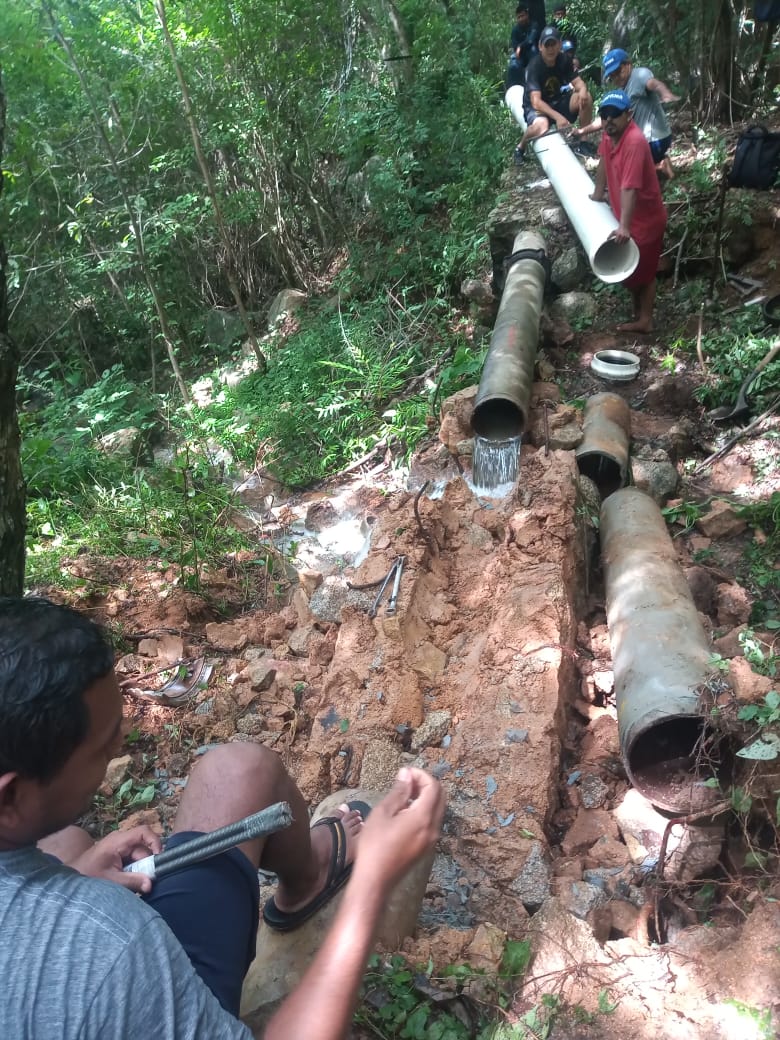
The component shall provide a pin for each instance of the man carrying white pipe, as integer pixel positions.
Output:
(89, 951)
(626, 172)
(648, 96)
(554, 92)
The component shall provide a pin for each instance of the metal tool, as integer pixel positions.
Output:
(274, 818)
(741, 406)
(395, 571)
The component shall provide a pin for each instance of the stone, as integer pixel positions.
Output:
(456, 412)
(588, 827)
(283, 957)
(554, 216)
(258, 493)
(127, 442)
(432, 731)
(532, 884)
(625, 917)
(224, 327)
(747, 685)
(329, 599)
(729, 645)
(568, 269)
(721, 521)
(285, 303)
(428, 660)
(116, 771)
(226, 636)
(671, 394)
(321, 515)
(732, 605)
(593, 791)
(251, 725)
(486, 949)
(275, 629)
(262, 673)
(608, 852)
(574, 306)
(299, 640)
(653, 472)
(702, 586)
(310, 581)
(477, 292)
(580, 898)
(380, 765)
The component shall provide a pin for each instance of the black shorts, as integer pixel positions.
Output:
(213, 909)
(562, 106)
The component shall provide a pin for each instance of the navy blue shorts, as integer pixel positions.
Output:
(659, 149)
(213, 909)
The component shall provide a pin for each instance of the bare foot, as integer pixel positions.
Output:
(636, 326)
(287, 900)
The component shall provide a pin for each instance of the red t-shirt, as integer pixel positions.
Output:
(629, 164)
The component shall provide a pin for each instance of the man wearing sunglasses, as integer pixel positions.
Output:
(554, 93)
(627, 172)
(648, 96)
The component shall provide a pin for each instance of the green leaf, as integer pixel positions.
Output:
(764, 749)
(517, 956)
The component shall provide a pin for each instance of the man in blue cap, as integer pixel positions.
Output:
(648, 95)
(626, 170)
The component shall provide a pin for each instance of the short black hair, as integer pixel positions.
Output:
(50, 655)
(520, 8)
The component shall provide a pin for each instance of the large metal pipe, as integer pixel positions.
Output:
(593, 221)
(603, 451)
(660, 657)
(501, 407)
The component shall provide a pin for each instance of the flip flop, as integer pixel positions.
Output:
(338, 875)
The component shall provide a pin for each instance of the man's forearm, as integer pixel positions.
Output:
(322, 1004)
(627, 203)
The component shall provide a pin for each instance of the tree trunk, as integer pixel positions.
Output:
(12, 503)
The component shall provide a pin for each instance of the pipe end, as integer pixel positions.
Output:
(615, 261)
(498, 419)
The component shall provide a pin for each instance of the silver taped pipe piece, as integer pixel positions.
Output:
(660, 657)
(606, 433)
(501, 406)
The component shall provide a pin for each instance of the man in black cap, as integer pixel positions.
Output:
(554, 92)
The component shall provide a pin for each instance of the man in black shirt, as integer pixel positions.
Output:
(554, 92)
(525, 36)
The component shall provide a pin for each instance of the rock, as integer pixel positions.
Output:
(702, 586)
(117, 770)
(671, 394)
(624, 917)
(282, 958)
(580, 898)
(285, 302)
(653, 472)
(568, 269)
(428, 660)
(593, 790)
(224, 328)
(310, 581)
(733, 605)
(258, 493)
(532, 884)
(554, 216)
(574, 306)
(477, 292)
(747, 685)
(729, 645)
(486, 949)
(275, 629)
(608, 852)
(456, 412)
(127, 442)
(300, 639)
(560, 942)
(321, 515)
(381, 762)
(588, 827)
(226, 636)
(721, 521)
(432, 731)
(252, 725)
(262, 673)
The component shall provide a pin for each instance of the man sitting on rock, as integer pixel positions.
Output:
(82, 956)
(554, 93)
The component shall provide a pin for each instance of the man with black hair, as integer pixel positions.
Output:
(81, 955)
(626, 171)
(525, 35)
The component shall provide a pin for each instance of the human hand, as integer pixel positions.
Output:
(597, 197)
(561, 122)
(108, 856)
(620, 235)
(401, 828)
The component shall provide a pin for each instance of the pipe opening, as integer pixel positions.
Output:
(498, 419)
(605, 472)
(669, 763)
(614, 262)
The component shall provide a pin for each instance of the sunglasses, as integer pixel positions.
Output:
(612, 113)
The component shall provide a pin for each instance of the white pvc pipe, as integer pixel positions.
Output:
(593, 221)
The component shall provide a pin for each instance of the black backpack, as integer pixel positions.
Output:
(756, 160)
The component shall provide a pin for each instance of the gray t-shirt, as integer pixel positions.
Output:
(648, 111)
(82, 959)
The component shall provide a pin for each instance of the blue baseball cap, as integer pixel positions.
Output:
(616, 99)
(612, 61)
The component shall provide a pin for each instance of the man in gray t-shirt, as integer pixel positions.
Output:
(91, 952)
(648, 95)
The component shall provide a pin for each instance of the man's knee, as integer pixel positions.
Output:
(232, 763)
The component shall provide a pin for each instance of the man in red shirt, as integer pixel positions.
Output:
(627, 172)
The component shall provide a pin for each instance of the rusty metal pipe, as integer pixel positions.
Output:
(606, 433)
(660, 657)
(501, 406)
